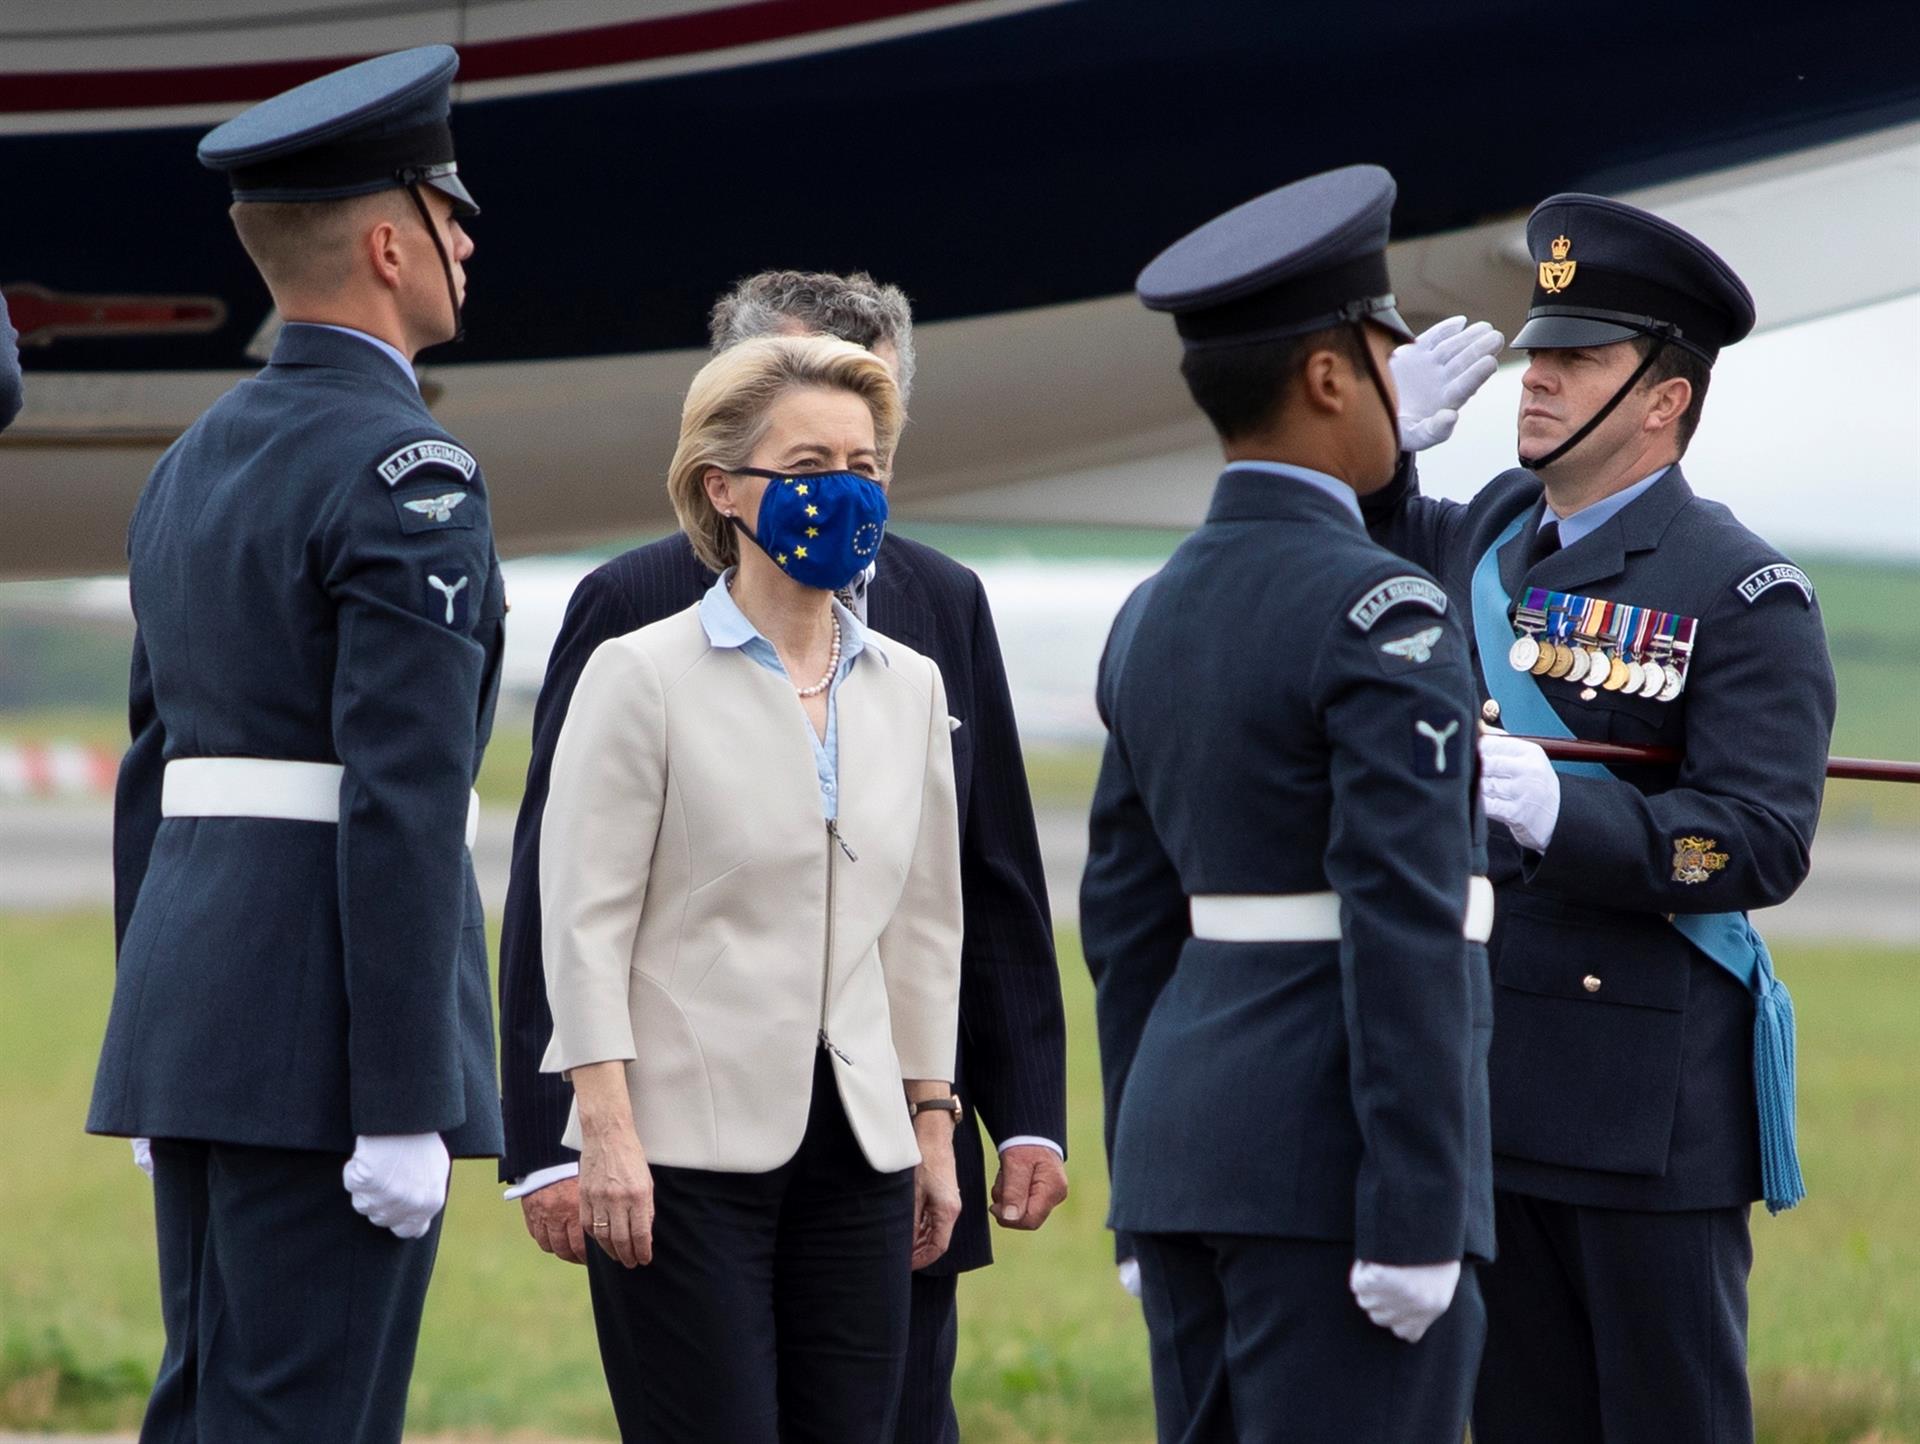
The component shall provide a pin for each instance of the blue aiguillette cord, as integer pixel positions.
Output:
(1727, 938)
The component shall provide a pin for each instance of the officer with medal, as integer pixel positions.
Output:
(1281, 908)
(1642, 1059)
(300, 1019)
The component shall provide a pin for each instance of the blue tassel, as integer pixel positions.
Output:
(1780, 1180)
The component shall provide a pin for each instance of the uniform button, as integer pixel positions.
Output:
(1490, 710)
(1590, 983)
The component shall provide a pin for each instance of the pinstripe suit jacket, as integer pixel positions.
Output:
(1012, 1055)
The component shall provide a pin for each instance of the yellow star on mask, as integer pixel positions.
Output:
(801, 492)
(813, 511)
(813, 531)
(782, 559)
(800, 552)
(787, 482)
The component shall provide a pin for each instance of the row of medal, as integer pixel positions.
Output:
(1600, 645)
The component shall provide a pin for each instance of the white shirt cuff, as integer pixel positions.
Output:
(1020, 1140)
(540, 1178)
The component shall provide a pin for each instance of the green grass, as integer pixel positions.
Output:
(1876, 661)
(1050, 1349)
(1876, 656)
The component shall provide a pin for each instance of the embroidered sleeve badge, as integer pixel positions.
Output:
(1390, 594)
(1767, 578)
(436, 508)
(1417, 648)
(417, 454)
(1434, 754)
(1694, 859)
(452, 594)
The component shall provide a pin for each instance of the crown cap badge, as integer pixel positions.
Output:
(1556, 275)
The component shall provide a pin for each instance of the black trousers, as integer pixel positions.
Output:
(1611, 1327)
(775, 1308)
(1259, 1341)
(933, 1336)
(289, 1317)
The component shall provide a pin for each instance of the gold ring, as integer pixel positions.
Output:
(601, 1223)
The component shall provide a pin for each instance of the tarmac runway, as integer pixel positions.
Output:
(1865, 885)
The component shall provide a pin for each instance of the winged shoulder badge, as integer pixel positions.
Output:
(1417, 648)
(436, 508)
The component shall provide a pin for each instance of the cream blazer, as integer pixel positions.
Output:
(701, 923)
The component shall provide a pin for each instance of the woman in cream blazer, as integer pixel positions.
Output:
(750, 889)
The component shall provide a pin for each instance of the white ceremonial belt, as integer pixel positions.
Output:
(1307, 917)
(264, 787)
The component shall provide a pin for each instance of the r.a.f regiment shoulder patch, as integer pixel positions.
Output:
(1393, 592)
(1767, 578)
(429, 452)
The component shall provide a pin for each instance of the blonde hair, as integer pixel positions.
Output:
(726, 415)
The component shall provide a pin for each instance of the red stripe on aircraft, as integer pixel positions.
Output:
(635, 40)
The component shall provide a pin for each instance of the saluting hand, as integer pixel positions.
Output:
(1438, 373)
(1032, 1182)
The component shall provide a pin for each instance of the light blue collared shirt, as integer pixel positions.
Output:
(399, 357)
(1318, 480)
(727, 626)
(1589, 519)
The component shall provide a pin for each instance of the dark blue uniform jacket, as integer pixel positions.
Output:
(1639, 1093)
(1011, 1064)
(309, 584)
(12, 393)
(1273, 697)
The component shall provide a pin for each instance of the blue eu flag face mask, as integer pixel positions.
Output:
(821, 528)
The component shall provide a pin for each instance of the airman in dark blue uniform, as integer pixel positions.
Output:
(12, 393)
(1642, 1056)
(1281, 909)
(300, 1019)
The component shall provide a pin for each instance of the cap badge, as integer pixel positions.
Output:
(1556, 275)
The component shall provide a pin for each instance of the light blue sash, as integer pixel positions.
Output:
(1727, 938)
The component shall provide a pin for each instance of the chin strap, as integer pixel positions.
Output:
(446, 262)
(1660, 339)
(1379, 383)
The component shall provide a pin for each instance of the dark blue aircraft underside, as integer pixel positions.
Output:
(1019, 162)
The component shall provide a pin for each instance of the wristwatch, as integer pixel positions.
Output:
(949, 1104)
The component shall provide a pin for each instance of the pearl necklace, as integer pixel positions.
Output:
(833, 666)
(833, 658)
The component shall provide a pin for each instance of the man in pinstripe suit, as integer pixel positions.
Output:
(1012, 1057)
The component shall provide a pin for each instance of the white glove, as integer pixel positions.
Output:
(1404, 1301)
(398, 1180)
(1130, 1276)
(1519, 787)
(143, 1156)
(1438, 373)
